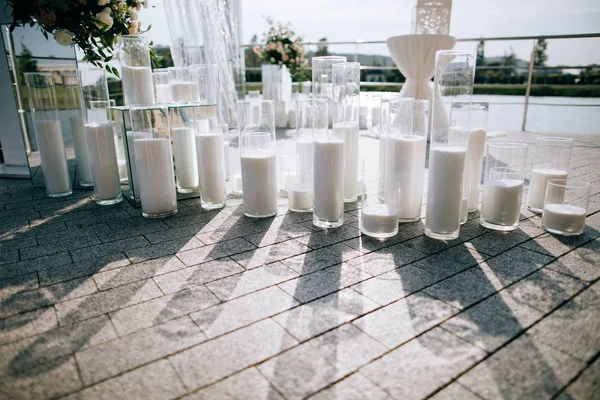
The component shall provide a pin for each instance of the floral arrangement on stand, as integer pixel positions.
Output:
(283, 47)
(92, 25)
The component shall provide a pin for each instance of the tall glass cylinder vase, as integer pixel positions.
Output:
(73, 101)
(183, 87)
(162, 90)
(48, 133)
(551, 160)
(258, 158)
(154, 161)
(185, 122)
(211, 167)
(478, 119)
(206, 77)
(503, 185)
(136, 71)
(322, 78)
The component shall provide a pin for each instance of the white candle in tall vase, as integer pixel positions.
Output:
(564, 218)
(444, 193)
(163, 93)
(103, 160)
(259, 182)
(329, 179)
(81, 153)
(186, 164)
(304, 154)
(53, 157)
(131, 137)
(184, 91)
(211, 169)
(474, 164)
(226, 159)
(349, 130)
(138, 88)
(537, 186)
(501, 202)
(155, 175)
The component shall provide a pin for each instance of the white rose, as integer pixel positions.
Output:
(63, 37)
(106, 19)
(103, 2)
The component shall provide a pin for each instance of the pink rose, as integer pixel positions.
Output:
(285, 57)
(46, 18)
(256, 49)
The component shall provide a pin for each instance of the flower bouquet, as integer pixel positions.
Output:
(93, 25)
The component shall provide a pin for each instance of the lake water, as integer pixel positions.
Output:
(572, 115)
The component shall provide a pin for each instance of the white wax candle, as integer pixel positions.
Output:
(226, 159)
(328, 180)
(564, 218)
(445, 186)
(138, 88)
(292, 117)
(155, 175)
(376, 115)
(103, 159)
(362, 117)
(53, 157)
(349, 130)
(405, 170)
(211, 168)
(474, 164)
(186, 164)
(464, 208)
(304, 155)
(237, 183)
(259, 182)
(184, 91)
(300, 197)
(131, 137)
(123, 175)
(81, 154)
(122, 169)
(501, 202)
(203, 126)
(163, 93)
(538, 183)
(379, 220)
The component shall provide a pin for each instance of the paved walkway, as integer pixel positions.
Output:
(100, 303)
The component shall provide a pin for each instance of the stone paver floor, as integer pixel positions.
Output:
(98, 302)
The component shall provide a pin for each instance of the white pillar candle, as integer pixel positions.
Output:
(53, 157)
(304, 154)
(444, 193)
(537, 185)
(501, 202)
(362, 117)
(329, 179)
(186, 164)
(211, 168)
(349, 130)
(103, 160)
(138, 87)
(259, 182)
(474, 164)
(292, 117)
(565, 218)
(226, 159)
(81, 153)
(406, 170)
(163, 93)
(184, 91)
(300, 197)
(131, 137)
(237, 183)
(379, 220)
(155, 175)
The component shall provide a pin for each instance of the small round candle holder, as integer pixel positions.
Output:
(566, 206)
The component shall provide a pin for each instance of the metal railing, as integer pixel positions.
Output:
(528, 84)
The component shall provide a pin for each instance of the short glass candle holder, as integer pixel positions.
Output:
(379, 213)
(566, 206)
(162, 90)
(184, 88)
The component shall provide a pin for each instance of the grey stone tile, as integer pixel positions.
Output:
(427, 245)
(366, 244)
(213, 252)
(319, 362)
(9, 257)
(137, 272)
(386, 259)
(68, 234)
(395, 284)
(73, 243)
(558, 245)
(251, 281)
(582, 263)
(18, 284)
(231, 353)
(323, 282)
(454, 391)
(156, 381)
(106, 301)
(586, 386)
(249, 383)
(545, 289)
(53, 379)
(423, 365)
(316, 317)
(525, 368)
(148, 230)
(22, 231)
(82, 268)
(242, 311)
(27, 324)
(321, 258)
(163, 249)
(237, 231)
(108, 248)
(278, 233)
(266, 255)
(193, 276)
(129, 352)
(513, 265)
(354, 387)
(494, 243)
(16, 244)
(493, 322)
(401, 321)
(450, 261)
(162, 309)
(95, 219)
(162, 235)
(327, 237)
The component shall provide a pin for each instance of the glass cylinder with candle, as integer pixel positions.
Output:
(73, 102)
(154, 161)
(478, 118)
(258, 158)
(185, 124)
(136, 72)
(162, 90)
(48, 133)
(184, 88)
(566, 206)
(551, 159)
(379, 212)
(211, 164)
(503, 185)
